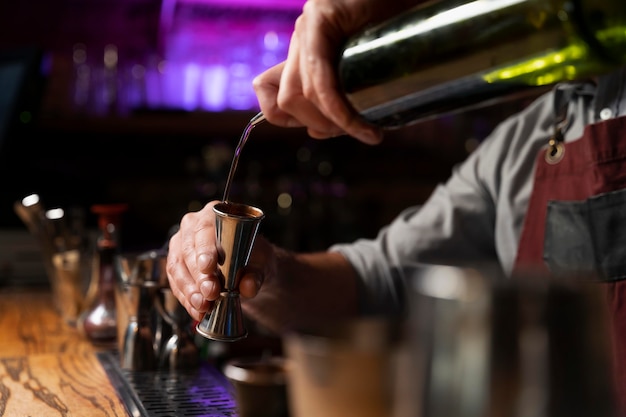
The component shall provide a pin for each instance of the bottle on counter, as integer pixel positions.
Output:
(98, 322)
(447, 55)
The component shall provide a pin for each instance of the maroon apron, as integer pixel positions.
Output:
(576, 220)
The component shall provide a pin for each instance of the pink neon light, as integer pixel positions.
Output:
(265, 4)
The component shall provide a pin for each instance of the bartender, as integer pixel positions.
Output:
(560, 161)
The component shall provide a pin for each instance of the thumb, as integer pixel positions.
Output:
(250, 284)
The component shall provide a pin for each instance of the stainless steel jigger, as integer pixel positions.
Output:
(236, 226)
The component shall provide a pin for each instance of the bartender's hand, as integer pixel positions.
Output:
(304, 90)
(192, 263)
(280, 290)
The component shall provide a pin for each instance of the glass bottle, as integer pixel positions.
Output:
(444, 56)
(99, 320)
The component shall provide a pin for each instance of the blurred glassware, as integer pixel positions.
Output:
(98, 322)
(260, 385)
(154, 329)
(528, 345)
(64, 254)
(343, 369)
(472, 344)
(67, 285)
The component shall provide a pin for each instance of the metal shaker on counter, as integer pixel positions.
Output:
(153, 328)
(63, 254)
(447, 55)
(139, 279)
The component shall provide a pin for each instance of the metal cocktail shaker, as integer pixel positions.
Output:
(140, 279)
(154, 330)
(447, 55)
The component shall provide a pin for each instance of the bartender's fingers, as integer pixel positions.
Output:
(260, 268)
(283, 102)
(318, 74)
(250, 283)
(291, 97)
(182, 282)
(200, 249)
(266, 87)
(191, 262)
(291, 109)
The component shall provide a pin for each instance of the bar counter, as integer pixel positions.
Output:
(47, 368)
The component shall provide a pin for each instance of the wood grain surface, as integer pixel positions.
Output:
(47, 368)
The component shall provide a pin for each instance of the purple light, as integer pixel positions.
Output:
(266, 4)
(213, 392)
(208, 54)
(222, 45)
(214, 87)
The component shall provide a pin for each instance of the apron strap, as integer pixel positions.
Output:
(556, 149)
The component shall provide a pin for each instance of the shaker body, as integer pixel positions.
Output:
(448, 55)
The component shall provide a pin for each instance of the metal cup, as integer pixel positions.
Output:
(236, 226)
(140, 279)
(178, 351)
(260, 385)
(527, 345)
(67, 285)
(344, 368)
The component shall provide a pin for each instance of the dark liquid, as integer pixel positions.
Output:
(242, 211)
(242, 141)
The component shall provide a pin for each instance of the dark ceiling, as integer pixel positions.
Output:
(57, 24)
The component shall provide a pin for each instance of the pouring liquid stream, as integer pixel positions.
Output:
(242, 141)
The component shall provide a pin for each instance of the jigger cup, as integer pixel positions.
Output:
(236, 226)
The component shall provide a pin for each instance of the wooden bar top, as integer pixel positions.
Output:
(47, 368)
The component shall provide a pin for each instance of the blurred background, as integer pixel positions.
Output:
(143, 102)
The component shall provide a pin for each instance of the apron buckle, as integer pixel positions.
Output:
(555, 150)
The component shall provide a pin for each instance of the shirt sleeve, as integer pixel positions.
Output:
(459, 223)
(454, 225)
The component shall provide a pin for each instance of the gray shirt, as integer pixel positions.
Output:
(476, 217)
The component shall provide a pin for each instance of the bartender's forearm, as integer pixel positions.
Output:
(305, 289)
